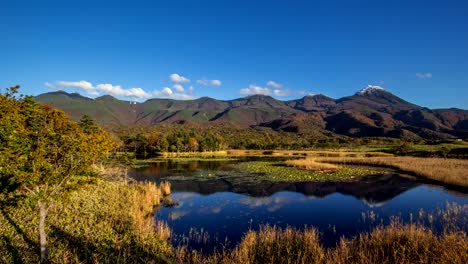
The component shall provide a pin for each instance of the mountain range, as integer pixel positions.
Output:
(372, 111)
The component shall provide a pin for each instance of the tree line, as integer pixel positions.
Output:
(146, 142)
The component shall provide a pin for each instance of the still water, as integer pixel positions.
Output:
(217, 205)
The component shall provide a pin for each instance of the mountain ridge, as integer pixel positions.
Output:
(372, 111)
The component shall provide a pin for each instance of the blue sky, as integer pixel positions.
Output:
(227, 49)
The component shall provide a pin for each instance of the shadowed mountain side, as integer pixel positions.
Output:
(372, 111)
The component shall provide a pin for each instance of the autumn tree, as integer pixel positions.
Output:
(41, 149)
(88, 125)
(193, 144)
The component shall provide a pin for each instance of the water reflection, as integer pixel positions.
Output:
(225, 204)
(156, 170)
(374, 189)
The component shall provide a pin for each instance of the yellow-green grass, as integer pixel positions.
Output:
(278, 172)
(450, 171)
(100, 222)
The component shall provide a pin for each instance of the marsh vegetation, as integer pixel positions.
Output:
(393, 243)
(450, 171)
(278, 171)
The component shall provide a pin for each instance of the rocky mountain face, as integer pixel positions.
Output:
(372, 111)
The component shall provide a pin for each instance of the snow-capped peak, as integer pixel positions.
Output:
(370, 89)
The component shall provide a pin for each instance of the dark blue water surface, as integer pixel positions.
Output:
(216, 206)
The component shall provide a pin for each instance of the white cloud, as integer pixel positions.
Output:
(106, 88)
(191, 88)
(178, 78)
(423, 75)
(81, 85)
(183, 96)
(49, 85)
(84, 85)
(167, 92)
(278, 92)
(274, 84)
(209, 82)
(178, 87)
(253, 89)
(117, 90)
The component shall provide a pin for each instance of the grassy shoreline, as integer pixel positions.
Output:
(448, 171)
(102, 221)
(274, 153)
(396, 243)
(107, 221)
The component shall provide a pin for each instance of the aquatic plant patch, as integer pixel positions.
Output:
(275, 171)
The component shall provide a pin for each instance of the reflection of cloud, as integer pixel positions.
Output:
(174, 215)
(282, 199)
(216, 210)
(185, 195)
(274, 207)
(373, 204)
(424, 75)
(256, 201)
(272, 202)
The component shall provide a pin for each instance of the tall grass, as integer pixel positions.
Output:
(269, 245)
(165, 188)
(397, 242)
(451, 171)
(402, 243)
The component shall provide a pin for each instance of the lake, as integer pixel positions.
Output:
(217, 204)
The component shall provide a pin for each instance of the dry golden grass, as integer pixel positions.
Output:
(399, 243)
(451, 171)
(165, 187)
(269, 245)
(193, 154)
(142, 204)
(395, 243)
(309, 153)
(311, 165)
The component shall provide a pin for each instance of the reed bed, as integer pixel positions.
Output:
(193, 154)
(397, 242)
(311, 165)
(165, 187)
(308, 153)
(450, 171)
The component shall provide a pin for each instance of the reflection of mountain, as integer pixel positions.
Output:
(373, 190)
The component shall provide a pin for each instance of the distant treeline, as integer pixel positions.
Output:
(148, 142)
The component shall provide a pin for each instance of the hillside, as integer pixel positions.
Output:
(371, 111)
